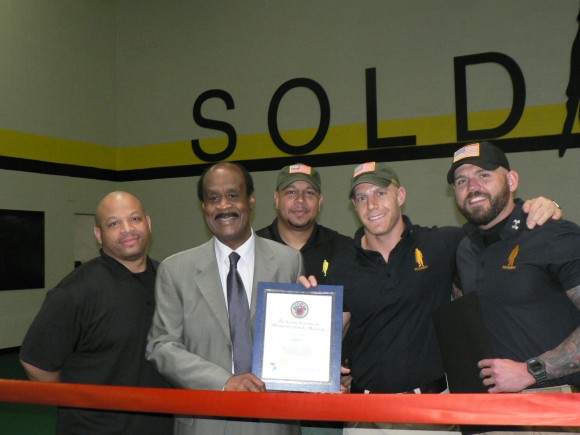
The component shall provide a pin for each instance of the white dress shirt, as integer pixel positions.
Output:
(245, 264)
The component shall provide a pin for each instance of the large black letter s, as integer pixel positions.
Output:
(228, 129)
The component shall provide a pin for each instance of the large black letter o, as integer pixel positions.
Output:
(322, 126)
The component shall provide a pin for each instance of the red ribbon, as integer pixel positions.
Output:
(539, 409)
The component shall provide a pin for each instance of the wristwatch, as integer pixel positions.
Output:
(537, 369)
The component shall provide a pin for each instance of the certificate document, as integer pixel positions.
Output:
(297, 337)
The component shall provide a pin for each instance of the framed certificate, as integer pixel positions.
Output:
(298, 336)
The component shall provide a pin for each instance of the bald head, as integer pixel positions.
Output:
(123, 229)
(114, 198)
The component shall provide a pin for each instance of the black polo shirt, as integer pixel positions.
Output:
(323, 244)
(394, 347)
(522, 281)
(92, 327)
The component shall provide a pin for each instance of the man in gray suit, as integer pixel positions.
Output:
(190, 341)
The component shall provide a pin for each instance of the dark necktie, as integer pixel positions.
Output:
(239, 313)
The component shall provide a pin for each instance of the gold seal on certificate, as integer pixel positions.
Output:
(297, 337)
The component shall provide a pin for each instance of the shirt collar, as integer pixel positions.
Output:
(245, 251)
(119, 268)
(512, 226)
(407, 232)
(311, 240)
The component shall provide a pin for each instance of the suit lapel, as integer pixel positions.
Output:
(265, 269)
(210, 286)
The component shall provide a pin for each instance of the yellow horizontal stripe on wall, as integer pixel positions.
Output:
(55, 150)
(536, 121)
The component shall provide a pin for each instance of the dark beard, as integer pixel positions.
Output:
(479, 215)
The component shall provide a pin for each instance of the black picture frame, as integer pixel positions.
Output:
(22, 249)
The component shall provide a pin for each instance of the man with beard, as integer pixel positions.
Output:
(528, 282)
(195, 340)
(92, 327)
(298, 199)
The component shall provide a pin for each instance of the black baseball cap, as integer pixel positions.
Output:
(483, 154)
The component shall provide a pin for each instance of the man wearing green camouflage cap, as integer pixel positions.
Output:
(394, 275)
(298, 199)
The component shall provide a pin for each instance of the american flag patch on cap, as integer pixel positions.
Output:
(300, 168)
(471, 150)
(363, 168)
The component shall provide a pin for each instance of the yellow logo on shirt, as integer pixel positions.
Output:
(325, 267)
(512, 259)
(419, 260)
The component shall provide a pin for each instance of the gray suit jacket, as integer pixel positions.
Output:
(189, 341)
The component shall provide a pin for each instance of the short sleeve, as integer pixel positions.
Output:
(52, 335)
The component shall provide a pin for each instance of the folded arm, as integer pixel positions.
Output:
(36, 374)
(565, 359)
(507, 376)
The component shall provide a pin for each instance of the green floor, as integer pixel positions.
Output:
(21, 419)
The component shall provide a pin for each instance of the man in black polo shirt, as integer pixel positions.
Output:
(92, 327)
(298, 198)
(395, 275)
(528, 282)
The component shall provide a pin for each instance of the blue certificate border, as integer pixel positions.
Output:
(333, 385)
